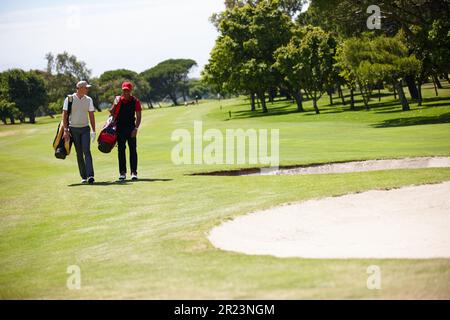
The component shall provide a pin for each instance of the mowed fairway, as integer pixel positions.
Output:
(147, 239)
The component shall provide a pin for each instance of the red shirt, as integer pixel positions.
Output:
(138, 103)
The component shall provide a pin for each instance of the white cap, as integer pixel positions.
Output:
(83, 84)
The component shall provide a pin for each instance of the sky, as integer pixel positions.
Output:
(107, 34)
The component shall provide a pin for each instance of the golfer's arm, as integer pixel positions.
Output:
(138, 118)
(112, 109)
(65, 116)
(92, 120)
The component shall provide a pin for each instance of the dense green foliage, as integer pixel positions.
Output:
(263, 48)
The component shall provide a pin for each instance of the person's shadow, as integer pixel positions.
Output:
(120, 183)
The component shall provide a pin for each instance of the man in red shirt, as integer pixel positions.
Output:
(128, 119)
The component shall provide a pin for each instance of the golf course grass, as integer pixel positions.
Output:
(147, 239)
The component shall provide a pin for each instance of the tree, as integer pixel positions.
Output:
(67, 64)
(288, 62)
(243, 57)
(199, 89)
(26, 90)
(430, 45)
(117, 74)
(169, 78)
(62, 73)
(108, 85)
(417, 19)
(270, 29)
(8, 110)
(219, 71)
(439, 37)
(382, 59)
(58, 86)
(346, 18)
(315, 65)
(346, 73)
(354, 58)
(392, 63)
(290, 7)
(224, 69)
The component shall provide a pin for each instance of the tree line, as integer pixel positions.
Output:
(269, 47)
(28, 94)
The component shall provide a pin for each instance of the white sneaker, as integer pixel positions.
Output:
(122, 177)
(134, 176)
(83, 181)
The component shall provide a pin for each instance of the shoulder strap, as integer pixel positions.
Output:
(70, 102)
(117, 107)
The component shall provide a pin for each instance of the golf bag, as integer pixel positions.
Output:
(107, 138)
(60, 145)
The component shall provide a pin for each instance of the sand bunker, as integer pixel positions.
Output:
(361, 166)
(342, 167)
(370, 165)
(411, 222)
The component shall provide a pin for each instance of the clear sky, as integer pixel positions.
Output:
(106, 34)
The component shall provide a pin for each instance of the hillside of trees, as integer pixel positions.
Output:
(24, 95)
(270, 47)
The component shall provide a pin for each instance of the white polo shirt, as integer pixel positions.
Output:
(80, 108)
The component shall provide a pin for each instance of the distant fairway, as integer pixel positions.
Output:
(148, 239)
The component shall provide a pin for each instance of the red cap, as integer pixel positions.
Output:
(127, 86)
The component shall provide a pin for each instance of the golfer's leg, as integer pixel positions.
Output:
(86, 144)
(133, 154)
(76, 134)
(121, 144)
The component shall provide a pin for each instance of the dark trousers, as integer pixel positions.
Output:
(124, 136)
(82, 141)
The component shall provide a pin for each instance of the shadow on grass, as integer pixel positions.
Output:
(290, 108)
(324, 111)
(388, 105)
(436, 99)
(120, 183)
(272, 111)
(286, 107)
(395, 107)
(413, 121)
(445, 104)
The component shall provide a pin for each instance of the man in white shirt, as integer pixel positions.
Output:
(77, 126)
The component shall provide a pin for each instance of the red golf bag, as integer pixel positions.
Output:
(108, 136)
